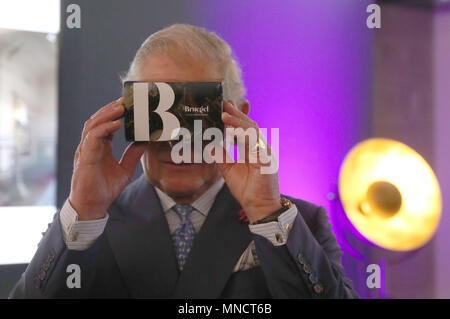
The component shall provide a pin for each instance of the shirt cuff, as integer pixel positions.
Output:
(277, 232)
(79, 235)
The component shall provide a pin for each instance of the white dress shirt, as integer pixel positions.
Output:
(80, 235)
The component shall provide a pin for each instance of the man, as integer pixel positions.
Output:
(176, 232)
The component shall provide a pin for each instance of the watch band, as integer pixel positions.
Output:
(285, 205)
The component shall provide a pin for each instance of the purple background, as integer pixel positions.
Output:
(306, 67)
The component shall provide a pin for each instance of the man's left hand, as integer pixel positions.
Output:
(257, 193)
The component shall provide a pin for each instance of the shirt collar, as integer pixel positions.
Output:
(202, 204)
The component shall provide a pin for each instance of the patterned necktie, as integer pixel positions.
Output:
(184, 234)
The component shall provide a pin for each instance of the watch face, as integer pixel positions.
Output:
(155, 111)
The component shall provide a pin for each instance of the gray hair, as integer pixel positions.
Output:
(197, 43)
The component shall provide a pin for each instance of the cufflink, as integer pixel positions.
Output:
(75, 236)
(279, 238)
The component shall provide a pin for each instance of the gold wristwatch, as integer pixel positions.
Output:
(285, 205)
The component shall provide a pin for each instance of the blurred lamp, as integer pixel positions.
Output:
(390, 194)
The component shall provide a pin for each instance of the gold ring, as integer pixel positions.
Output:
(259, 145)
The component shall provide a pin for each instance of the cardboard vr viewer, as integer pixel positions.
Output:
(153, 110)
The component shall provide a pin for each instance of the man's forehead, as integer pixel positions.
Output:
(166, 69)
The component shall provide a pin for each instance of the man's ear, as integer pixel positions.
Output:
(244, 106)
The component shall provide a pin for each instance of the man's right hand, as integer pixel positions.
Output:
(98, 178)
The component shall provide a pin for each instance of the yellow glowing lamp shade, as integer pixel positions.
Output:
(390, 194)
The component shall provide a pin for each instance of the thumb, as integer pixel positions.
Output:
(132, 155)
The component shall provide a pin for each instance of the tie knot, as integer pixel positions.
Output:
(183, 210)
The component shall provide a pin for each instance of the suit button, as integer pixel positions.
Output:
(46, 265)
(307, 268)
(51, 257)
(36, 282)
(312, 278)
(42, 275)
(300, 258)
(318, 288)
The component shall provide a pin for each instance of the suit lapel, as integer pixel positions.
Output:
(215, 251)
(140, 240)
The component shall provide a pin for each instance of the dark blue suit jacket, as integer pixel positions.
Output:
(134, 257)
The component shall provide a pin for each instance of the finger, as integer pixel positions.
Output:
(110, 113)
(96, 136)
(85, 130)
(234, 121)
(250, 140)
(132, 155)
(77, 155)
(232, 109)
(108, 106)
(248, 128)
(113, 113)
